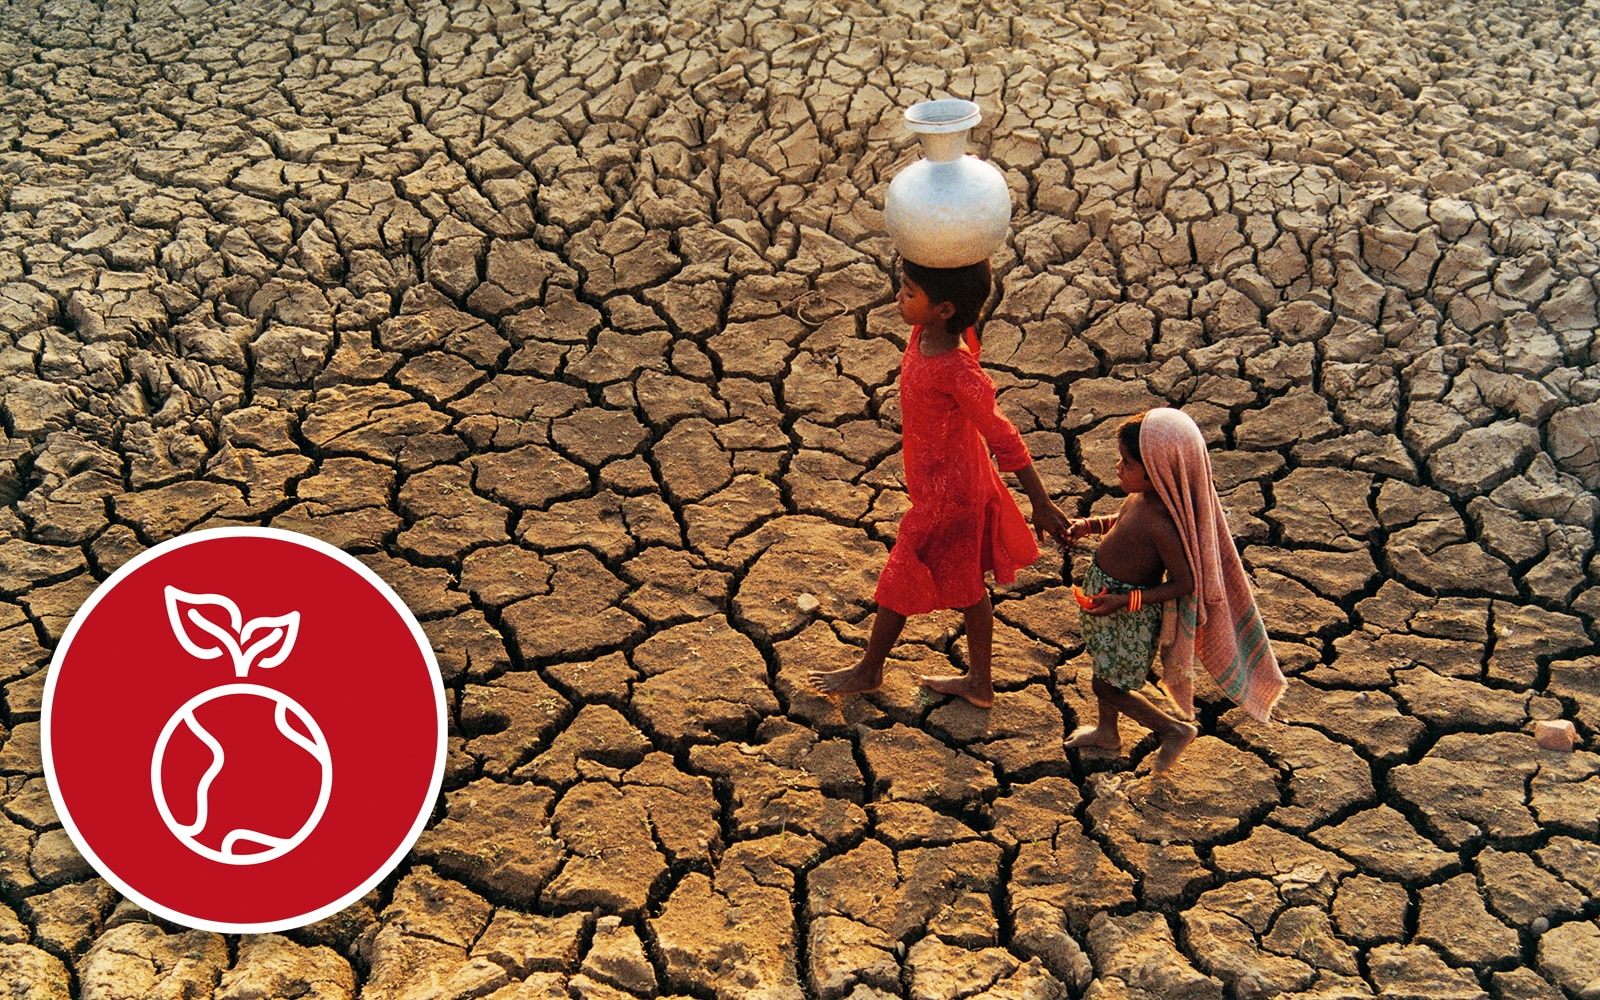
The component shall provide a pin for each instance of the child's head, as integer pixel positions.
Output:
(966, 288)
(1167, 447)
(1131, 475)
(1128, 436)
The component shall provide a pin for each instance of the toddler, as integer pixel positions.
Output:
(1167, 577)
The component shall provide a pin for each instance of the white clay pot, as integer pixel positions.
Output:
(949, 209)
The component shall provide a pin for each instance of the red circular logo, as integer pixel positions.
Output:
(243, 730)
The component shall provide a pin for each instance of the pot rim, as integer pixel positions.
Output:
(951, 114)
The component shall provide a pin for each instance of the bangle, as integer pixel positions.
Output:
(1135, 600)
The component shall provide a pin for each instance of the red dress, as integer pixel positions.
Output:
(963, 521)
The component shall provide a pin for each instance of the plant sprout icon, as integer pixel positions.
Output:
(208, 638)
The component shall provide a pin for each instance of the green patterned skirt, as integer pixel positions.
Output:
(1122, 645)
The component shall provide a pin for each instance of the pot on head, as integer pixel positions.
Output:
(949, 209)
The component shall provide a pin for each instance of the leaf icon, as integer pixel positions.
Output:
(210, 638)
(207, 625)
(284, 629)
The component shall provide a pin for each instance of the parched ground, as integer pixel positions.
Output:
(574, 321)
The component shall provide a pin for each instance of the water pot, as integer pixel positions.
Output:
(948, 209)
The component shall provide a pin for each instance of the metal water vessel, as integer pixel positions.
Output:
(949, 209)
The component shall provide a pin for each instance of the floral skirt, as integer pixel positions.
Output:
(1122, 645)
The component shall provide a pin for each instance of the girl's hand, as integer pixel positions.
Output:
(1048, 520)
(1077, 528)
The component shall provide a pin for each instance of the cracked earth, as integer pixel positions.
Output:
(574, 322)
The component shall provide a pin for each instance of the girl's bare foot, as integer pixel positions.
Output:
(1094, 736)
(962, 686)
(859, 679)
(1173, 745)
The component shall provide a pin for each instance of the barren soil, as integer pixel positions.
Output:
(574, 321)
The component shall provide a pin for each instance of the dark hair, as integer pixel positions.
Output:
(1128, 436)
(967, 288)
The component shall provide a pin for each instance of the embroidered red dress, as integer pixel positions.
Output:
(963, 521)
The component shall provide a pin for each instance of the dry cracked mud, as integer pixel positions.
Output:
(573, 321)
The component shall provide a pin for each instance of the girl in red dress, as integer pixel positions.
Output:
(963, 521)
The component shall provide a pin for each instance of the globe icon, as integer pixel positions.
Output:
(241, 774)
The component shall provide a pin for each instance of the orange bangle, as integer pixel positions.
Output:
(1135, 600)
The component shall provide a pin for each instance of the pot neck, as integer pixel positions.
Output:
(944, 146)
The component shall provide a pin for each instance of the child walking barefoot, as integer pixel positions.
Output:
(1167, 570)
(963, 521)
(1121, 621)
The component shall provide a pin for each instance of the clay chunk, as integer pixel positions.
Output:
(1557, 734)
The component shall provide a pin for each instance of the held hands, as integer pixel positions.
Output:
(1048, 520)
(1079, 527)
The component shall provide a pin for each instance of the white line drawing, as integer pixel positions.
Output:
(202, 790)
(207, 638)
(234, 639)
(277, 847)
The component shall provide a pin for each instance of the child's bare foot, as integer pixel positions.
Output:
(962, 686)
(1094, 736)
(859, 679)
(1173, 745)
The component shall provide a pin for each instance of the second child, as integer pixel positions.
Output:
(1140, 564)
(1168, 578)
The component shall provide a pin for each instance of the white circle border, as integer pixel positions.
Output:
(417, 635)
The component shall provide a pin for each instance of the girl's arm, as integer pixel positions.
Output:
(974, 394)
(1047, 517)
(1097, 525)
(1180, 579)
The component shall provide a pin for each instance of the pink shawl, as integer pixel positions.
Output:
(1219, 620)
